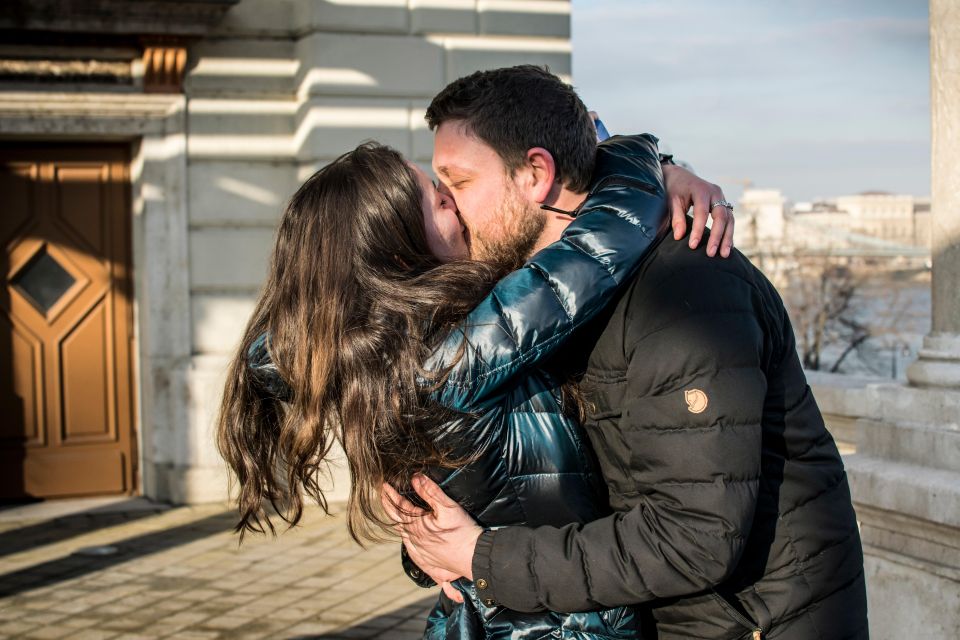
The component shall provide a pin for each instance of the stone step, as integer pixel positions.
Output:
(902, 403)
(910, 489)
(936, 446)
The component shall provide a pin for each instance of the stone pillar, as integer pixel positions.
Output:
(939, 363)
(905, 476)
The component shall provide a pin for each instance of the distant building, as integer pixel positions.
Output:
(882, 215)
(765, 213)
(147, 150)
(768, 219)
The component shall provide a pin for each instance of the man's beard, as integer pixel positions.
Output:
(509, 245)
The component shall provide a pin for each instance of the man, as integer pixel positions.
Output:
(732, 512)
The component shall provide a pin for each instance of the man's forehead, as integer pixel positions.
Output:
(452, 159)
(459, 151)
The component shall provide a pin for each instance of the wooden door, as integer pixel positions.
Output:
(66, 406)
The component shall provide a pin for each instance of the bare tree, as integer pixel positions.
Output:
(895, 319)
(821, 294)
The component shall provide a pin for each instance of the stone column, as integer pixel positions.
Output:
(905, 476)
(939, 363)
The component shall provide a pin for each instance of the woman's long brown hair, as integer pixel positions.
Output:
(352, 304)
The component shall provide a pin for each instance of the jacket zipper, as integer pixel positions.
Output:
(739, 617)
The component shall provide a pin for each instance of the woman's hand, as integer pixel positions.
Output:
(441, 541)
(684, 189)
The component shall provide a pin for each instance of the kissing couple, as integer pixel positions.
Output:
(582, 410)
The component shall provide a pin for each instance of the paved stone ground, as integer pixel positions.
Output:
(178, 573)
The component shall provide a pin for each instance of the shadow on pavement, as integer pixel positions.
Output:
(17, 504)
(64, 527)
(408, 621)
(76, 564)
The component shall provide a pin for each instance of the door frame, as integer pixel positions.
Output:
(154, 126)
(49, 154)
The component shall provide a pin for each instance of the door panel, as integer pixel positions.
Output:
(88, 471)
(80, 203)
(23, 399)
(66, 425)
(85, 379)
(15, 182)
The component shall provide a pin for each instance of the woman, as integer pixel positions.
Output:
(374, 329)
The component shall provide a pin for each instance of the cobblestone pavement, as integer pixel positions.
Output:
(140, 570)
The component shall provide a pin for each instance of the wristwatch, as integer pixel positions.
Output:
(666, 158)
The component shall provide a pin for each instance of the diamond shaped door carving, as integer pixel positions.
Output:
(66, 424)
(43, 281)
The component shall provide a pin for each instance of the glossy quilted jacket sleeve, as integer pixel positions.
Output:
(529, 313)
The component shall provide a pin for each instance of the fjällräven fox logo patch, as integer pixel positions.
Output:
(696, 400)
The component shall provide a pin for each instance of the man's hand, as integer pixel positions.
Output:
(440, 542)
(685, 189)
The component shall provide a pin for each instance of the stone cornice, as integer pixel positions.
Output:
(39, 105)
(133, 17)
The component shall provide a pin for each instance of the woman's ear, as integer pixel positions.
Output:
(541, 174)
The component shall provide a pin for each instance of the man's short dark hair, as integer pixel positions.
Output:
(517, 108)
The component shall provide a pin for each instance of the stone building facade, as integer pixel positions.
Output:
(895, 220)
(195, 120)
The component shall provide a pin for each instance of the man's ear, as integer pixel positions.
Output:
(541, 174)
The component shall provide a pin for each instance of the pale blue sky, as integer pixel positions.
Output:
(815, 97)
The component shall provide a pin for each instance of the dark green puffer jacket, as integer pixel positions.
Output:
(733, 514)
(534, 465)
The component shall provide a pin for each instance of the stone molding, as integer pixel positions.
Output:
(938, 364)
(101, 115)
(163, 68)
(921, 494)
(45, 71)
(920, 544)
(39, 105)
